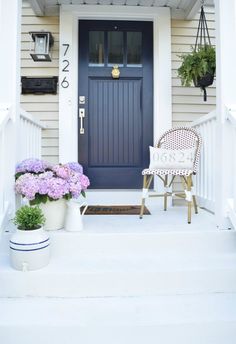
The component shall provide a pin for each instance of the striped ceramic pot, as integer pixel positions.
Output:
(29, 249)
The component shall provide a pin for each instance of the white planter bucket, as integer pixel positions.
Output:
(29, 250)
(54, 212)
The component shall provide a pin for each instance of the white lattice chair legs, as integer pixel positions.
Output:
(146, 185)
(188, 194)
(190, 197)
(194, 199)
(165, 193)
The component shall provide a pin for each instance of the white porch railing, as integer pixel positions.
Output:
(29, 137)
(205, 179)
(28, 145)
(231, 134)
(6, 124)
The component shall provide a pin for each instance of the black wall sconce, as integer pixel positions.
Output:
(42, 43)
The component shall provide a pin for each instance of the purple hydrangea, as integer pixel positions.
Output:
(75, 166)
(74, 184)
(75, 189)
(54, 181)
(32, 166)
(27, 185)
(77, 183)
(43, 180)
(57, 188)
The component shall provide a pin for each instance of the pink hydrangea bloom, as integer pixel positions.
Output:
(62, 171)
(84, 182)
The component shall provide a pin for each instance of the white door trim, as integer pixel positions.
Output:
(68, 97)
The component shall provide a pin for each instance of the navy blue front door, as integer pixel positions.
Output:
(115, 114)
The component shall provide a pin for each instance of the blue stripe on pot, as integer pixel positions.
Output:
(34, 249)
(16, 245)
(35, 243)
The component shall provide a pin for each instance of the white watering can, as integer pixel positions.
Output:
(74, 218)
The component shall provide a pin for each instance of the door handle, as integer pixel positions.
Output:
(81, 116)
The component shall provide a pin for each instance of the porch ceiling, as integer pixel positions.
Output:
(180, 9)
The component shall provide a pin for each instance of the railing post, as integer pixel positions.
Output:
(205, 177)
(30, 136)
(226, 94)
(234, 169)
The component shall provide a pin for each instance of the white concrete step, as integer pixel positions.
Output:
(183, 319)
(111, 241)
(103, 275)
(101, 264)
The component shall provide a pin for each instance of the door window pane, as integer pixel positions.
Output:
(134, 49)
(115, 48)
(96, 48)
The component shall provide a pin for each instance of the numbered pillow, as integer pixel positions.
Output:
(171, 159)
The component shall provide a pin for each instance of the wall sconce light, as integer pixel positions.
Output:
(40, 47)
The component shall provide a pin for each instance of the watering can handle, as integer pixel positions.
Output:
(85, 208)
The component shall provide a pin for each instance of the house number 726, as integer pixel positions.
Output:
(65, 68)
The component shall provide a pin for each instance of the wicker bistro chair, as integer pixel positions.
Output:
(175, 138)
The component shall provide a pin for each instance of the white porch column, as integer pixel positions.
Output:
(226, 95)
(10, 39)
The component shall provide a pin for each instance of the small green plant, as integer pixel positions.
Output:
(196, 64)
(29, 218)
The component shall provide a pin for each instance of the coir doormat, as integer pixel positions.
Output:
(115, 210)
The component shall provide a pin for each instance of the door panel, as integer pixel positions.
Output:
(118, 122)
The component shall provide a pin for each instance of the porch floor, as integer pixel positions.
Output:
(174, 219)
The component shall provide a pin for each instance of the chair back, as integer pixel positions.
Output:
(182, 138)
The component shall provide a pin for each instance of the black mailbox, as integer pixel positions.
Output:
(32, 85)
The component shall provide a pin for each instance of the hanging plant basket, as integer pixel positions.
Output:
(204, 81)
(198, 67)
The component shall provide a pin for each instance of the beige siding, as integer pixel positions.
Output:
(43, 107)
(187, 102)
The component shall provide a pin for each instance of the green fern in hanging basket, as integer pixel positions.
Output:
(196, 65)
